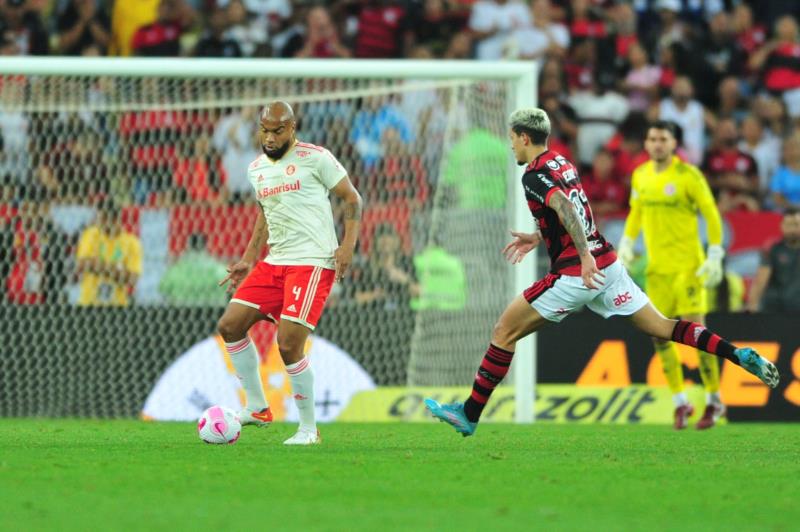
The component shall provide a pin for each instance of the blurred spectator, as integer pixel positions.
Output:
(273, 14)
(599, 111)
(193, 279)
(369, 124)
(288, 38)
(623, 29)
(383, 30)
(127, 16)
(109, 260)
(563, 126)
(731, 173)
(235, 138)
(493, 22)
(198, 172)
(460, 47)
(215, 42)
(785, 184)
(34, 270)
(14, 126)
(322, 37)
(606, 191)
(21, 29)
(627, 146)
(435, 25)
(249, 32)
(474, 169)
(587, 20)
(669, 29)
(690, 115)
(542, 38)
(776, 287)
(721, 54)
(730, 103)
(779, 61)
(403, 176)
(580, 65)
(162, 37)
(82, 25)
(442, 280)
(765, 150)
(641, 84)
(749, 35)
(772, 112)
(386, 281)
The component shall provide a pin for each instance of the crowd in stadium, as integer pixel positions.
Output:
(726, 71)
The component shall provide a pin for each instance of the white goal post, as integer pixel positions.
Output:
(520, 77)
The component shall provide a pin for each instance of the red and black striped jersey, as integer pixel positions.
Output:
(548, 173)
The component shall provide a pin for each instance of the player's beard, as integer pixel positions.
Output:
(277, 153)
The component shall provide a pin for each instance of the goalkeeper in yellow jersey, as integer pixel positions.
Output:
(666, 195)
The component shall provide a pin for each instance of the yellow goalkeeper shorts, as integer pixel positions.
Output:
(678, 294)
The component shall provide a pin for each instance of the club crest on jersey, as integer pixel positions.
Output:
(669, 189)
(267, 192)
(290, 169)
(552, 165)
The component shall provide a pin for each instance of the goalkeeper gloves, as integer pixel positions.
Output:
(625, 251)
(712, 267)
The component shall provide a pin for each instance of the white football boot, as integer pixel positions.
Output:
(260, 418)
(304, 437)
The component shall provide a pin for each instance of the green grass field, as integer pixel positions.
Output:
(112, 475)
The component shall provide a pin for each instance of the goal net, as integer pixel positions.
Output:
(161, 147)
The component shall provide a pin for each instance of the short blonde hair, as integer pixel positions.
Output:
(533, 121)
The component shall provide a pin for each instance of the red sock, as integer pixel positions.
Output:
(696, 335)
(493, 368)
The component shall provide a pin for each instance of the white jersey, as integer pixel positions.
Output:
(293, 192)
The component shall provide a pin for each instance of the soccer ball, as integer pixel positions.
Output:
(219, 424)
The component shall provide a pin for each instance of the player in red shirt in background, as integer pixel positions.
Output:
(584, 272)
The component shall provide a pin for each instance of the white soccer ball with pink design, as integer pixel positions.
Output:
(219, 424)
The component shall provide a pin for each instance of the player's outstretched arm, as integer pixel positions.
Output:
(712, 268)
(633, 224)
(346, 192)
(237, 272)
(591, 275)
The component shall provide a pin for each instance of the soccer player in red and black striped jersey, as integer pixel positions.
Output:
(584, 271)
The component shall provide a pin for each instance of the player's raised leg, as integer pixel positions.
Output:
(233, 327)
(652, 322)
(292, 337)
(517, 321)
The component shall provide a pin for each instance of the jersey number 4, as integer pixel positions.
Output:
(296, 291)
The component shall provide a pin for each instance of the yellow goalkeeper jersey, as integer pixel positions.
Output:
(664, 205)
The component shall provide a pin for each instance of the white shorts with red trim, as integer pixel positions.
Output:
(294, 293)
(557, 296)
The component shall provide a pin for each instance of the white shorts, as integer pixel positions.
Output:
(557, 296)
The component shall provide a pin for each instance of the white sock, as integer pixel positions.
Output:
(303, 392)
(713, 398)
(680, 399)
(245, 360)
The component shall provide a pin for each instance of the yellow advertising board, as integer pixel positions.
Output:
(555, 403)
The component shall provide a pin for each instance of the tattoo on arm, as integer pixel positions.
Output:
(352, 211)
(572, 223)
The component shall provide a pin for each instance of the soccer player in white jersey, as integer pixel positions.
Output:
(289, 287)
